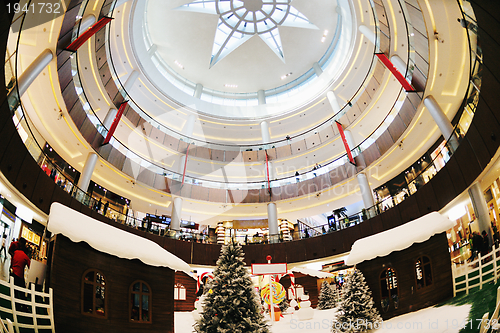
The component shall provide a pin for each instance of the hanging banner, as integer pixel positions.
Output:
(112, 129)
(395, 72)
(77, 43)
(344, 140)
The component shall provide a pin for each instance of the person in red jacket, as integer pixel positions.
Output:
(19, 261)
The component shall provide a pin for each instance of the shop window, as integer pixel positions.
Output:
(94, 294)
(423, 272)
(389, 289)
(140, 302)
(179, 292)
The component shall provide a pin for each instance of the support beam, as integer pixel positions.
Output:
(34, 69)
(368, 33)
(441, 121)
(113, 126)
(366, 192)
(131, 80)
(175, 223)
(261, 95)
(481, 210)
(333, 102)
(272, 219)
(110, 116)
(317, 69)
(397, 74)
(198, 90)
(152, 50)
(88, 170)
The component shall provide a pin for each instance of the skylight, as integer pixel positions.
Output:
(241, 20)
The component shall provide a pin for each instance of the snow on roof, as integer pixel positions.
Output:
(398, 238)
(108, 239)
(311, 272)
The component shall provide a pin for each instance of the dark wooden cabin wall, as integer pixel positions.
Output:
(70, 260)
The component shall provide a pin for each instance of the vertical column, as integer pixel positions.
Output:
(131, 80)
(364, 185)
(272, 219)
(317, 69)
(221, 233)
(108, 120)
(88, 170)
(441, 121)
(368, 33)
(34, 69)
(175, 223)
(187, 130)
(264, 130)
(198, 90)
(152, 50)
(87, 22)
(261, 95)
(480, 210)
(333, 101)
(366, 193)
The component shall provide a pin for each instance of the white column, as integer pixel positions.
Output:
(272, 219)
(441, 121)
(333, 101)
(366, 192)
(261, 95)
(108, 121)
(131, 80)
(175, 223)
(480, 209)
(350, 141)
(399, 64)
(87, 22)
(264, 130)
(88, 170)
(317, 69)
(198, 90)
(34, 69)
(368, 33)
(152, 50)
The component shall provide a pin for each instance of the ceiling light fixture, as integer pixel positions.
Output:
(231, 85)
(286, 75)
(179, 64)
(325, 33)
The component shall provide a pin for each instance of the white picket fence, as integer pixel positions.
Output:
(476, 273)
(39, 314)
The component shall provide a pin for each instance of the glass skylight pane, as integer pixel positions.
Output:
(267, 9)
(259, 15)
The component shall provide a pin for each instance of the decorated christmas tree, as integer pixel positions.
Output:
(328, 296)
(356, 312)
(231, 304)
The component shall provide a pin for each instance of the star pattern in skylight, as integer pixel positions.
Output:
(240, 20)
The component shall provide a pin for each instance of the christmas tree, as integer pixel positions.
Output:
(357, 311)
(231, 304)
(327, 296)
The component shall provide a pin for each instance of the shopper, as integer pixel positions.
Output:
(19, 262)
(486, 244)
(4, 241)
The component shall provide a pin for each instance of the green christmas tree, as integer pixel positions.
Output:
(356, 312)
(231, 304)
(327, 296)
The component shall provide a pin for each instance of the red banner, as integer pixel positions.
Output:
(394, 71)
(112, 129)
(344, 140)
(77, 43)
(267, 171)
(185, 164)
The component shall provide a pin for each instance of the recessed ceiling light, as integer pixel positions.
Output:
(179, 64)
(325, 33)
(286, 75)
(231, 85)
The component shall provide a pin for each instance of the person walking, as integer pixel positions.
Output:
(19, 262)
(3, 247)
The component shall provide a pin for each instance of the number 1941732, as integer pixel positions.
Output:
(35, 8)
